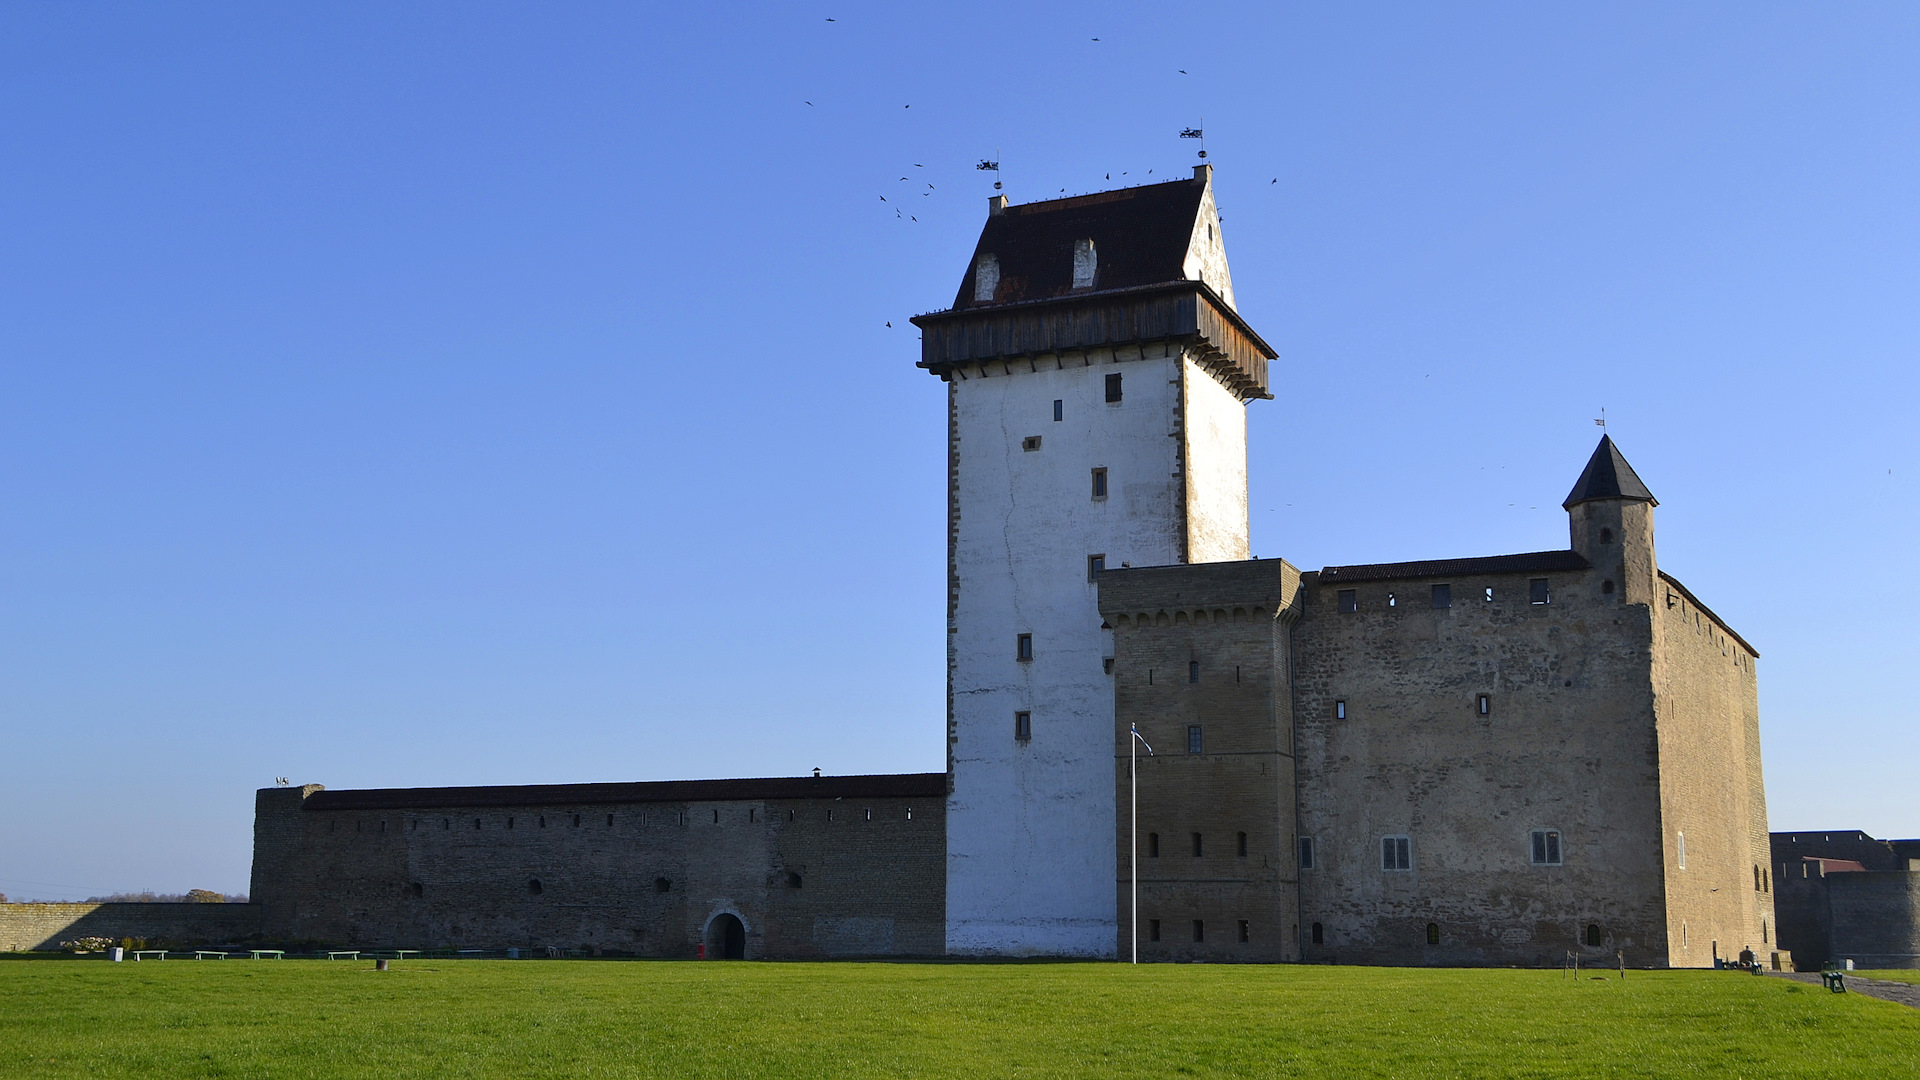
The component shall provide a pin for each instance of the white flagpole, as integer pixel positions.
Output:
(1133, 772)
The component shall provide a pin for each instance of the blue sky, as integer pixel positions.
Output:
(503, 393)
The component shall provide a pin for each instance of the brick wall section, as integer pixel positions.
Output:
(1232, 618)
(181, 926)
(871, 878)
(1567, 744)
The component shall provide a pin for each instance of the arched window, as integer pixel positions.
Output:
(1319, 934)
(534, 886)
(1433, 933)
(1594, 938)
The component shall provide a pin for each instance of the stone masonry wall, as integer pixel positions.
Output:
(1567, 744)
(44, 926)
(1204, 647)
(806, 877)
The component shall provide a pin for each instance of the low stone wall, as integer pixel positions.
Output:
(44, 926)
(1876, 919)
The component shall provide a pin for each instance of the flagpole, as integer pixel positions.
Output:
(1134, 743)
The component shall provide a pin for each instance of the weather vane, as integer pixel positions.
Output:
(1197, 133)
(992, 167)
(1602, 418)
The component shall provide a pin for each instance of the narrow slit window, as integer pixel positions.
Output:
(1023, 647)
(1489, 594)
(1153, 845)
(1680, 848)
(1240, 842)
(1392, 600)
(1099, 483)
(1339, 710)
(1198, 847)
(1113, 388)
(1306, 853)
(1059, 410)
(1193, 671)
(1194, 743)
(1199, 930)
(1433, 933)
(1095, 564)
(1319, 934)
(1153, 929)
(1022, 726)
(1246, 932)
(1483, 705)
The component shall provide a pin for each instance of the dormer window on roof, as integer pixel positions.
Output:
(986, 278)
(1086, 262)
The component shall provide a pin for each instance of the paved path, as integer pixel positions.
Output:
(1903, 993)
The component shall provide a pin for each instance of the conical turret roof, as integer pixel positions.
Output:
(1608, 476)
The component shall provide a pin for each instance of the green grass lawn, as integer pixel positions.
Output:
(1905, 975)
(482, 1018)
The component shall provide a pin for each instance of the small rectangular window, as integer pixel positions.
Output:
(1113, 387)
(1241, 843)
(1153, 929)
(1193, 671)
(1059, 410)
(1197, 848)
(1483, 705)
(1396, 853)
(1031, 442)
(1537, 591)
(1546, 847)
(1306, 853)
(1095, 564)
(1199, 930)
(1153, 845)
(1680, 848)
(1489, 594)
(1193, 739)
(1349, 600)
(1246, 932)
(1023, 647)
(1023, 726)
(1099, 483)
(1443, 596)
(1339, 710)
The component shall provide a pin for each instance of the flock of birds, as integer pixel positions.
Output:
(902, 212)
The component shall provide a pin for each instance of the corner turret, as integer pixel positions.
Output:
(1610, 517)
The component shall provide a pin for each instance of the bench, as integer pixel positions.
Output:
(142, 954)
(209, 954)
(344, 954)
(1834, 979)
(268, 954)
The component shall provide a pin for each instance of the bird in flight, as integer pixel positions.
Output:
(889, 324)
(1183, 71)
(829, 20)
(1275, 180)
(883, 198)
(809, 102)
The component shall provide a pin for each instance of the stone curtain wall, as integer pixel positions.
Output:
(1567, 744)
(26, 927)
(806, 877)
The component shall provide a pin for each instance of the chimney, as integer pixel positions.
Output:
(996, 205)
(1203, 174)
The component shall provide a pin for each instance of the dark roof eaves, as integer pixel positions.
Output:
(886, 785)
(1522, 562)
(1695, 601)
(1104, 294)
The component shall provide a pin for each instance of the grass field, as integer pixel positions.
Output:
(481, 1018)
(1905, 975)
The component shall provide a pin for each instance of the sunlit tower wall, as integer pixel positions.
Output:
(1097, 375)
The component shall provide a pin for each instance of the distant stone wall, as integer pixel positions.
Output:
(1876, 919)
(842, 875)
(26, 927)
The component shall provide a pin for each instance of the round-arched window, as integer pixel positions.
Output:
(534, 886)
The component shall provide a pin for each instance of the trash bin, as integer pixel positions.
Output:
(117, 954)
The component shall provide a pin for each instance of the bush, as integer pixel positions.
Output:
(204, 896)
(87, 944)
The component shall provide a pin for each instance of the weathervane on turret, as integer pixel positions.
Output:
(1197, 133)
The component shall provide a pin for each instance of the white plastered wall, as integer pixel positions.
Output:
(1030, 825)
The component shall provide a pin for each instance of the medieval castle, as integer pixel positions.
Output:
(1493, 760)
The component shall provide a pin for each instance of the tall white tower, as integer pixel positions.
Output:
(1097, 374)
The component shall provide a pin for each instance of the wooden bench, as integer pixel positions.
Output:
(142, 954)
(344, 954)
(208, 954)
(268, 954)
(1834, 979)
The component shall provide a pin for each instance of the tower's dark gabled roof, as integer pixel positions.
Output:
(1608, 476)
(1140, 236)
